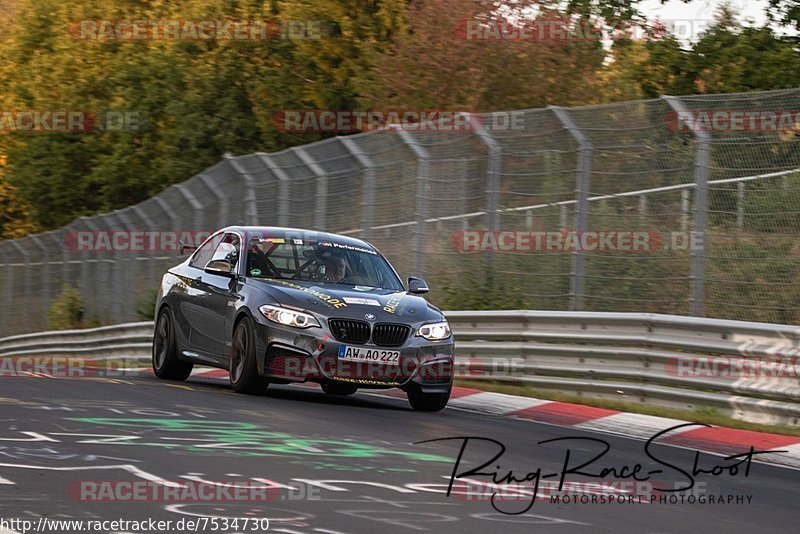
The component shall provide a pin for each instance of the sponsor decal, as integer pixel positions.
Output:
(345, 247)
(358, 300)
(393, 302)
(327, 299)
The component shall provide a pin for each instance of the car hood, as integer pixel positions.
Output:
(354, 302)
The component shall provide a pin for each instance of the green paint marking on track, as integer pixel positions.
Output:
(247, 439)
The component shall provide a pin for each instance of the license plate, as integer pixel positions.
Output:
(362, 354)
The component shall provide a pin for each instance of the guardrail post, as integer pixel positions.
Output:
(283, 189)
(368, 196)
(583, 177)
(321, 201)
(697, 242)
(423, 172)
(251, 206)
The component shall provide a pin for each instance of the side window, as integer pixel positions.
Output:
(228, 249)
(204, 254)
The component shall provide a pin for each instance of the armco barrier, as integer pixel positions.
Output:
(746, 370)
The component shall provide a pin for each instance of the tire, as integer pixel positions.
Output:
(427, 402)
(166, 364)
(243, 369)
(342, 390)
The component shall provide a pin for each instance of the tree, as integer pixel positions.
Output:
(728, 57)
(786, 12)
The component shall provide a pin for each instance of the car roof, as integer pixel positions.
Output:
(278, 231)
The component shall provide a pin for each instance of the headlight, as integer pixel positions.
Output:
(435, 331)
(287, 317)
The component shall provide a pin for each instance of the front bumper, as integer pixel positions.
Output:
(294, 355)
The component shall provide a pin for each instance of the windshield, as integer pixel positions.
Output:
(319, 261)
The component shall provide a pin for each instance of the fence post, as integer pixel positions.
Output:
(46, 294)
(251, 205)
(321, 200)
(122, 266)
(86, 275)
(5, 304)
(223, 213)
(577, 275)
(147, 224)
(368, 196)
(423, 171)
(197, 207)
(25, 281)
(684, 210)
(740, 198)
(701, 165)
(493, 175)
(283, 189)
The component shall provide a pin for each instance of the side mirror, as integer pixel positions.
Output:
(417, 285)
(220, 268)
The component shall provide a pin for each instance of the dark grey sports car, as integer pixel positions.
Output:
(281, 305)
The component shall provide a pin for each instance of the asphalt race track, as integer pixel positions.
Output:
(338, 465)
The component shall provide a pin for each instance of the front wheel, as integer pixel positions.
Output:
(243, 368)
(427, 402)
(165, 351)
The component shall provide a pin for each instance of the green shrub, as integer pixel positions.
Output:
(67, 310)
(146, 305)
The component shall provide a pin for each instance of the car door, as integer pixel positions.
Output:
(216, 294)
(186, 299)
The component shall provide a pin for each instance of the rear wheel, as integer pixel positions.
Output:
(334, 388)
(427, 402)
(165, 352)
(243, 368)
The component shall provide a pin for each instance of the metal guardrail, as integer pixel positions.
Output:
(124, 341)
(672, 361)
